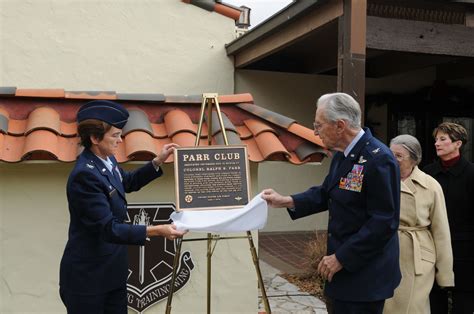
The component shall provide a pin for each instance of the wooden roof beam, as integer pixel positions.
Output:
(352, 51)
(289, 34)
(420, 37)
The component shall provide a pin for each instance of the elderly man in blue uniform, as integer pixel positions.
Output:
(362, 194)
(94, 266)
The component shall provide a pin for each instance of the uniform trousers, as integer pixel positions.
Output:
(348, 307)
(112, 302)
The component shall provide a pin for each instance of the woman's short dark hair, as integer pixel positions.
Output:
(456, 132)
(91, 127)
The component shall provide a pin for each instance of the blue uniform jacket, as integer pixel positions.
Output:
(362, 194)
(95, 258)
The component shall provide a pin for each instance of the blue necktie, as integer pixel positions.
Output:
(115, 173)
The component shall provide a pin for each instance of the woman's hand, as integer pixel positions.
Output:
(165, 152)
(168, 231)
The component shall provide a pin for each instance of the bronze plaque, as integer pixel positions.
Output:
(211, 177)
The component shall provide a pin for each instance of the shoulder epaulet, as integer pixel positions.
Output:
(376, 150)
(373, 148)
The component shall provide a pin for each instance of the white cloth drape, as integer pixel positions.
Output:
(252, 216)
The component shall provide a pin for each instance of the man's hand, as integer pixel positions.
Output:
(166, 151)
(328, 266)
(276, 200)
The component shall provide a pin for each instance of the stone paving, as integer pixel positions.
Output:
(285, 297)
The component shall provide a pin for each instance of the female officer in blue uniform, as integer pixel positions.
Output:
(94, 266)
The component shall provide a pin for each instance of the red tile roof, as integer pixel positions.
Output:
(40, 125)
(221, 8)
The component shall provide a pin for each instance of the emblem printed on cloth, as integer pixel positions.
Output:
(354, 179)
(151, 265)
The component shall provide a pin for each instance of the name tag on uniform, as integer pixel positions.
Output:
(112, 193)
(354, 179)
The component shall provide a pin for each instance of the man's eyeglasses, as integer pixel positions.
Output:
(318, 126)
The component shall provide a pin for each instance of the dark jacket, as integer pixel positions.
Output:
(95, 258)
(458, 188)
(362, 194)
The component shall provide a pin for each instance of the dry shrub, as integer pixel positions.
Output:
(309, 280)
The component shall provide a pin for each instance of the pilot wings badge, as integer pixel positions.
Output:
(361, 160)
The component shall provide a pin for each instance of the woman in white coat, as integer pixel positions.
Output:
(425, 243)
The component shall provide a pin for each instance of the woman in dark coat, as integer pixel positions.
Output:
(456, 176)
(94, 267)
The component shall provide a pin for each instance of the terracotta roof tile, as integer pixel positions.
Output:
(211, 5)
(49, 93)
(39, 118)
(108, 95)
(253, 150)
(43, 118)
(269, 144)
(120, 154)
(12, 148)
(184, 139)
(197, 99)
(137, 142)
(306, 150)
(178, 121)
(42, 128)
(17, 127)
(305, 133)
(7, 91)
(204, 130)
(2, 145)
(244, 132)
(294, 159)
(142, 97)
(68, 129)
(184, 99)
(257, 127)
(4, 112)
(138, 120)
(3, 121)
(216, 126)
(227, 11)
(159, 130)
(232, 138)
(69, 148)
(41, 140)
(237, 98)
(268, 115)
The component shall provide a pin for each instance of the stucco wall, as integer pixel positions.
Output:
(163, 46)
(33, 231)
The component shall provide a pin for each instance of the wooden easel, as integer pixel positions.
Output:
(209, 99)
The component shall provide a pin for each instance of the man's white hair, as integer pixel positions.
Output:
(341, 106)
